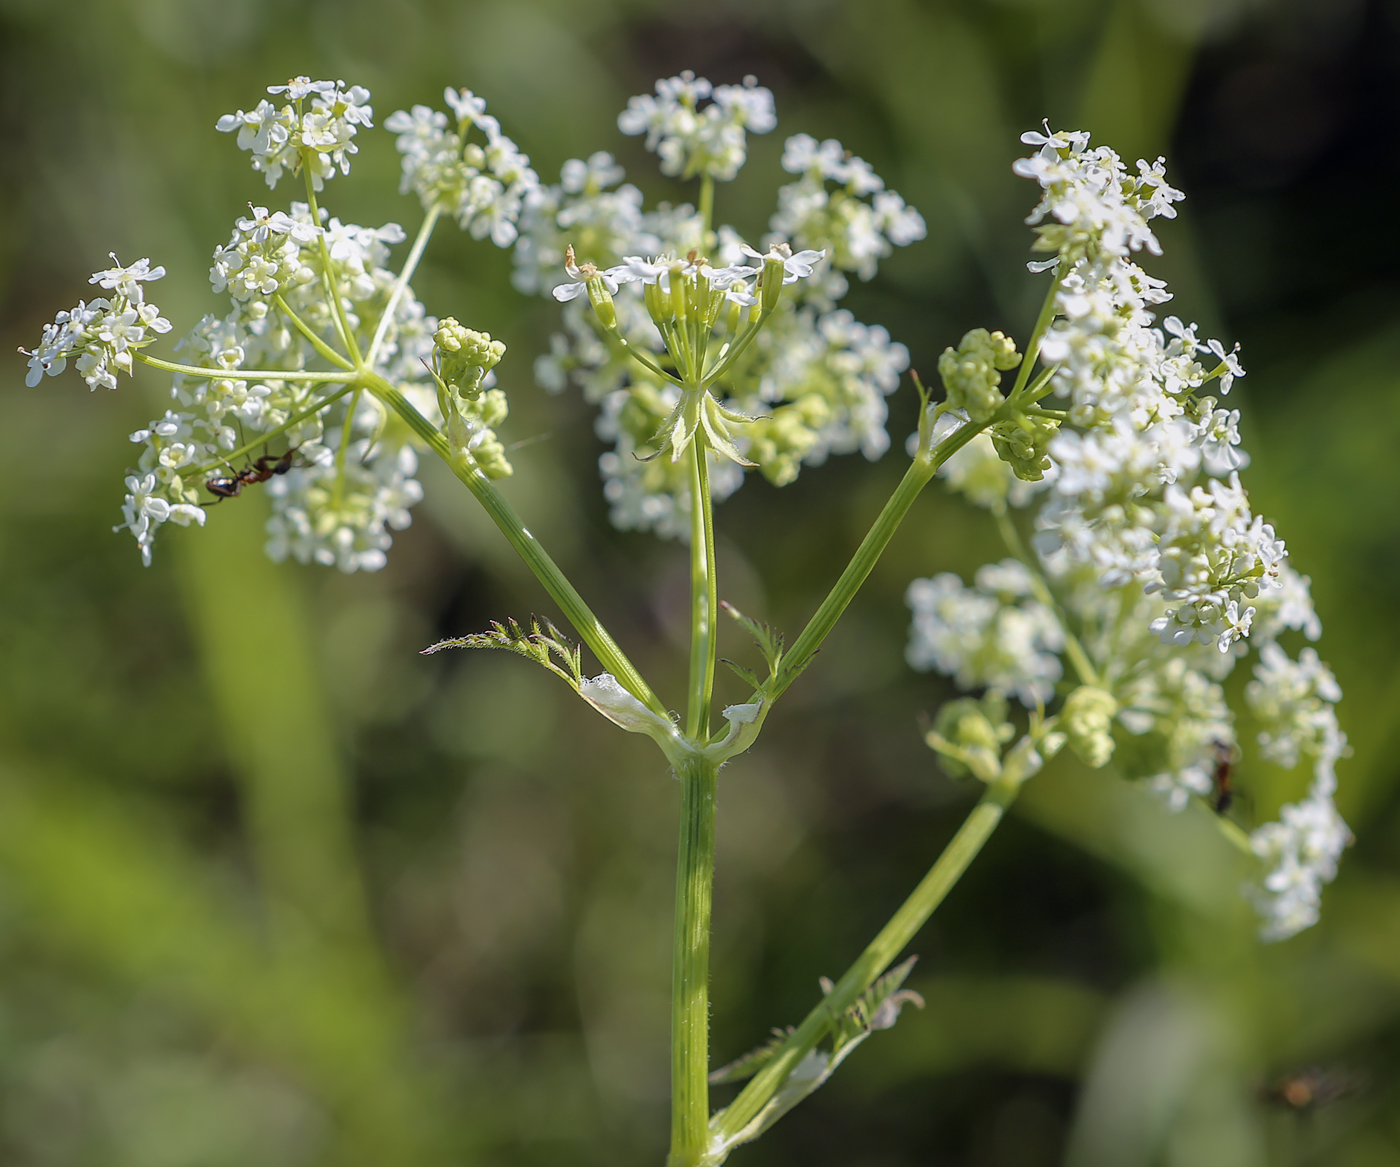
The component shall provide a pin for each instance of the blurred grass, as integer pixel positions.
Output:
(276, 890)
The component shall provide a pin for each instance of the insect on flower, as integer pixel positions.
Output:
(1222, 793)
(231, 486)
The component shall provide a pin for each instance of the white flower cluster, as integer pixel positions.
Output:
(314, 128)
(856, 233)
(327, 508)
(102, 334)
(691, 140)
(815, 378)
(1145, 536)
(483, 186)
(991, 636)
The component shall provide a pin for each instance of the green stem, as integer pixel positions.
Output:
(1088, 674)
(410, 266)
(1042, 322)
(868, 553)
(308, 376)
(707, 207)
(877, 957)
(338, 490)
(704, 602)
(342, 322)
(317, 343)
(536, 558)
(737, 351)
(295, 419)
(690, 970)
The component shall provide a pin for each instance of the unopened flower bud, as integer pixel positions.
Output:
(602, 301)
(1087, 719)
(972, 371)
(465, 356)
(968, 735)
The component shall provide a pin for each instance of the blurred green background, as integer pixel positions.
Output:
(276, 890)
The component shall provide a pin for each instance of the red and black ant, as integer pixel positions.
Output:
(1222, 793)
(231, 486)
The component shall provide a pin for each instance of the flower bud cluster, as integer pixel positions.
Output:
(101, 334)
(314, 128)
(483, 186)
(691, 140)
(972, 372)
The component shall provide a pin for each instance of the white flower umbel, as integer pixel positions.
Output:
(691, 139)
(1161, 575)
(102, 335)
(484, 185)
(313, 128)
(814, 378)
(991, 636)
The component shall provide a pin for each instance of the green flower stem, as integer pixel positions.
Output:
(410, 265)
(877, 957)
(707, 207)
(1042, 322)
(338, 490)
(317, 343)
(295, 419)
(642, 360)
(342, 324)
(305, 376)
(1051, 414)
(588, 626)
(868, 553)
(690, 970)
(1088, 674)
(704, 595)
(745, 339)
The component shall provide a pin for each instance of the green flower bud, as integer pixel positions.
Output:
(602, 302)
(968, 735)
(660, 302)
(1087, 720)
(464, 356)
(770, 283)
(778, 443)
(1022, 443)
(971, 373)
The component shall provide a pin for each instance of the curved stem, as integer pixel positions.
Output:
(690, 969)
(877, 957)
(305, 329)
(703, 592)
(307, 376)
(1088, 674)
(410, 265)
(869, 552)
(536, 558)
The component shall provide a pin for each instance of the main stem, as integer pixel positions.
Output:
(878, 955)
(704, 600)
(690, 968)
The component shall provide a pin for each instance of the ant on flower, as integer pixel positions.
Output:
(231, 486)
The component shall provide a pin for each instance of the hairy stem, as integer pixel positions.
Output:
(690, 970)
(536, 558)
(877, 957)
